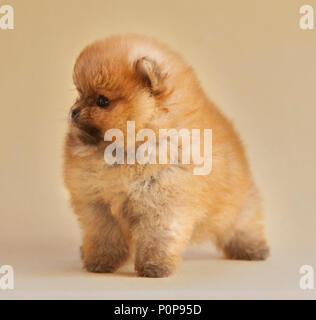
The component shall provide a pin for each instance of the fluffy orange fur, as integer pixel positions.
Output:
(151, 212)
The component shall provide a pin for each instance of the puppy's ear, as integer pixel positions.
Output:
(150, 74)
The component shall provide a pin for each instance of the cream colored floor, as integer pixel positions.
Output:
(54, 272)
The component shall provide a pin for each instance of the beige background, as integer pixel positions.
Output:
(253, 61)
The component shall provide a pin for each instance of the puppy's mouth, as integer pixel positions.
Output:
(88, 134)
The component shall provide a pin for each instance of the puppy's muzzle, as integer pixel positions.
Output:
(75, 112)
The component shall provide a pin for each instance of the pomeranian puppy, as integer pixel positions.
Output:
(151, 211)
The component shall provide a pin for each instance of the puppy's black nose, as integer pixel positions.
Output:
(75, 112)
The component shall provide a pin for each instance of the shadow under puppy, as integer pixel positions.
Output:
(152, 211)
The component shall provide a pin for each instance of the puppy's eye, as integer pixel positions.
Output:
(103, 101)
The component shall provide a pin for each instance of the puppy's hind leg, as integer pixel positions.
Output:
(247, 240)
(105, 247)
(246, 246)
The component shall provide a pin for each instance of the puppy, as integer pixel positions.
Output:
(152, 211)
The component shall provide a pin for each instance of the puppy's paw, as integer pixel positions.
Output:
(101, 261)
(241, 250)
(103, 264)
(151, 270)
(99, 267)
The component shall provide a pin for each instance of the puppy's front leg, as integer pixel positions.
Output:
(160, 240)
(105, 247)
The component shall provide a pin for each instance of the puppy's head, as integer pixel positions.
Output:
(115, 83)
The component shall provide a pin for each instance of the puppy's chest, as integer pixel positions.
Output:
(108, 182)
